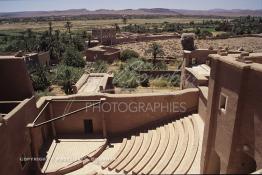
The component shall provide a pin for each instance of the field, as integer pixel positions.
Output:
(88, 24)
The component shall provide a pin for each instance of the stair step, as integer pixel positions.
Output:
(168, 149)
(127, 149)
(141, 153)
(120, 150)
(160, 151)
(174, 136)
(150, 152)
(132, 154)
(191, 149)
(181, 148)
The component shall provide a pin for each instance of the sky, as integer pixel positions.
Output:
(46, 5)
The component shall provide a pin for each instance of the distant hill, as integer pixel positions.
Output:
(142, 11)
(220, 12)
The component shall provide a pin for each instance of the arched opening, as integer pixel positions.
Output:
(213, 166)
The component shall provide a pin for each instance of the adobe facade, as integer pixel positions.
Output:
(106, 36)
(103, 53)
(32, 59)
(229, 105)
(232, 137)
(17, 109)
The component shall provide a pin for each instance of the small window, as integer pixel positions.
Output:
(194, 61)
(223, 102)
(88, 125)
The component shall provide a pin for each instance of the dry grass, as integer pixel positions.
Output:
(172, 47)
(88, 24)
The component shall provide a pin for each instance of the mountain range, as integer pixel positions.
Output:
(142, 11)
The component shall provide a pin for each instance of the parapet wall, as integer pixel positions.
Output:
(15, 82)
(123, 113)
(15, 138)
(85, 84)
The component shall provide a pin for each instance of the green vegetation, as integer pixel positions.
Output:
(155, 50)
(129, 74)
(64, 47)
(161, 82)
(97, 67)
(127, 54)
(242, 25)
(40, 79)
(65, 38)
(66, 76)
(73, 58)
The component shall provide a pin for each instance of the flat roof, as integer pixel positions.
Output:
(241, 60)
(201, 72)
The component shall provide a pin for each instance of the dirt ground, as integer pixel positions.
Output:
(172, 47)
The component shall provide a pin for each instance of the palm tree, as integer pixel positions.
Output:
(57, 35)
(28, 39)
(68, 81)
(124, 19)
(89, 37)
(155, 49)
(117, 28)
(68, 27)
(50, 29)
(84, 34)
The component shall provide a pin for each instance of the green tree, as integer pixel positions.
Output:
(28, 39)
(89, 37)
(68, 27)
(39, 79)
(124, 19)
(155, 50)
(72, 57)
(50, 28)
(66, 76)
(128, 54)
(98, 67)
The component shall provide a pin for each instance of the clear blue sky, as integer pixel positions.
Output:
(36, 5)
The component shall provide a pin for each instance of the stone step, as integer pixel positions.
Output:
(190, 151)
(138, 142)
(181, 148)
(150, 153)
(160, 151)
(144, 148)
(121, 157)
(174, 136)
(123, 144)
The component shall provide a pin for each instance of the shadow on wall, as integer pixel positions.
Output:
(244, 164)
(214, 163)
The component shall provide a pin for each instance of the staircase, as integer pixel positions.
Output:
(168, 149)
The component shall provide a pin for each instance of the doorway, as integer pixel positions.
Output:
(88, 124)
